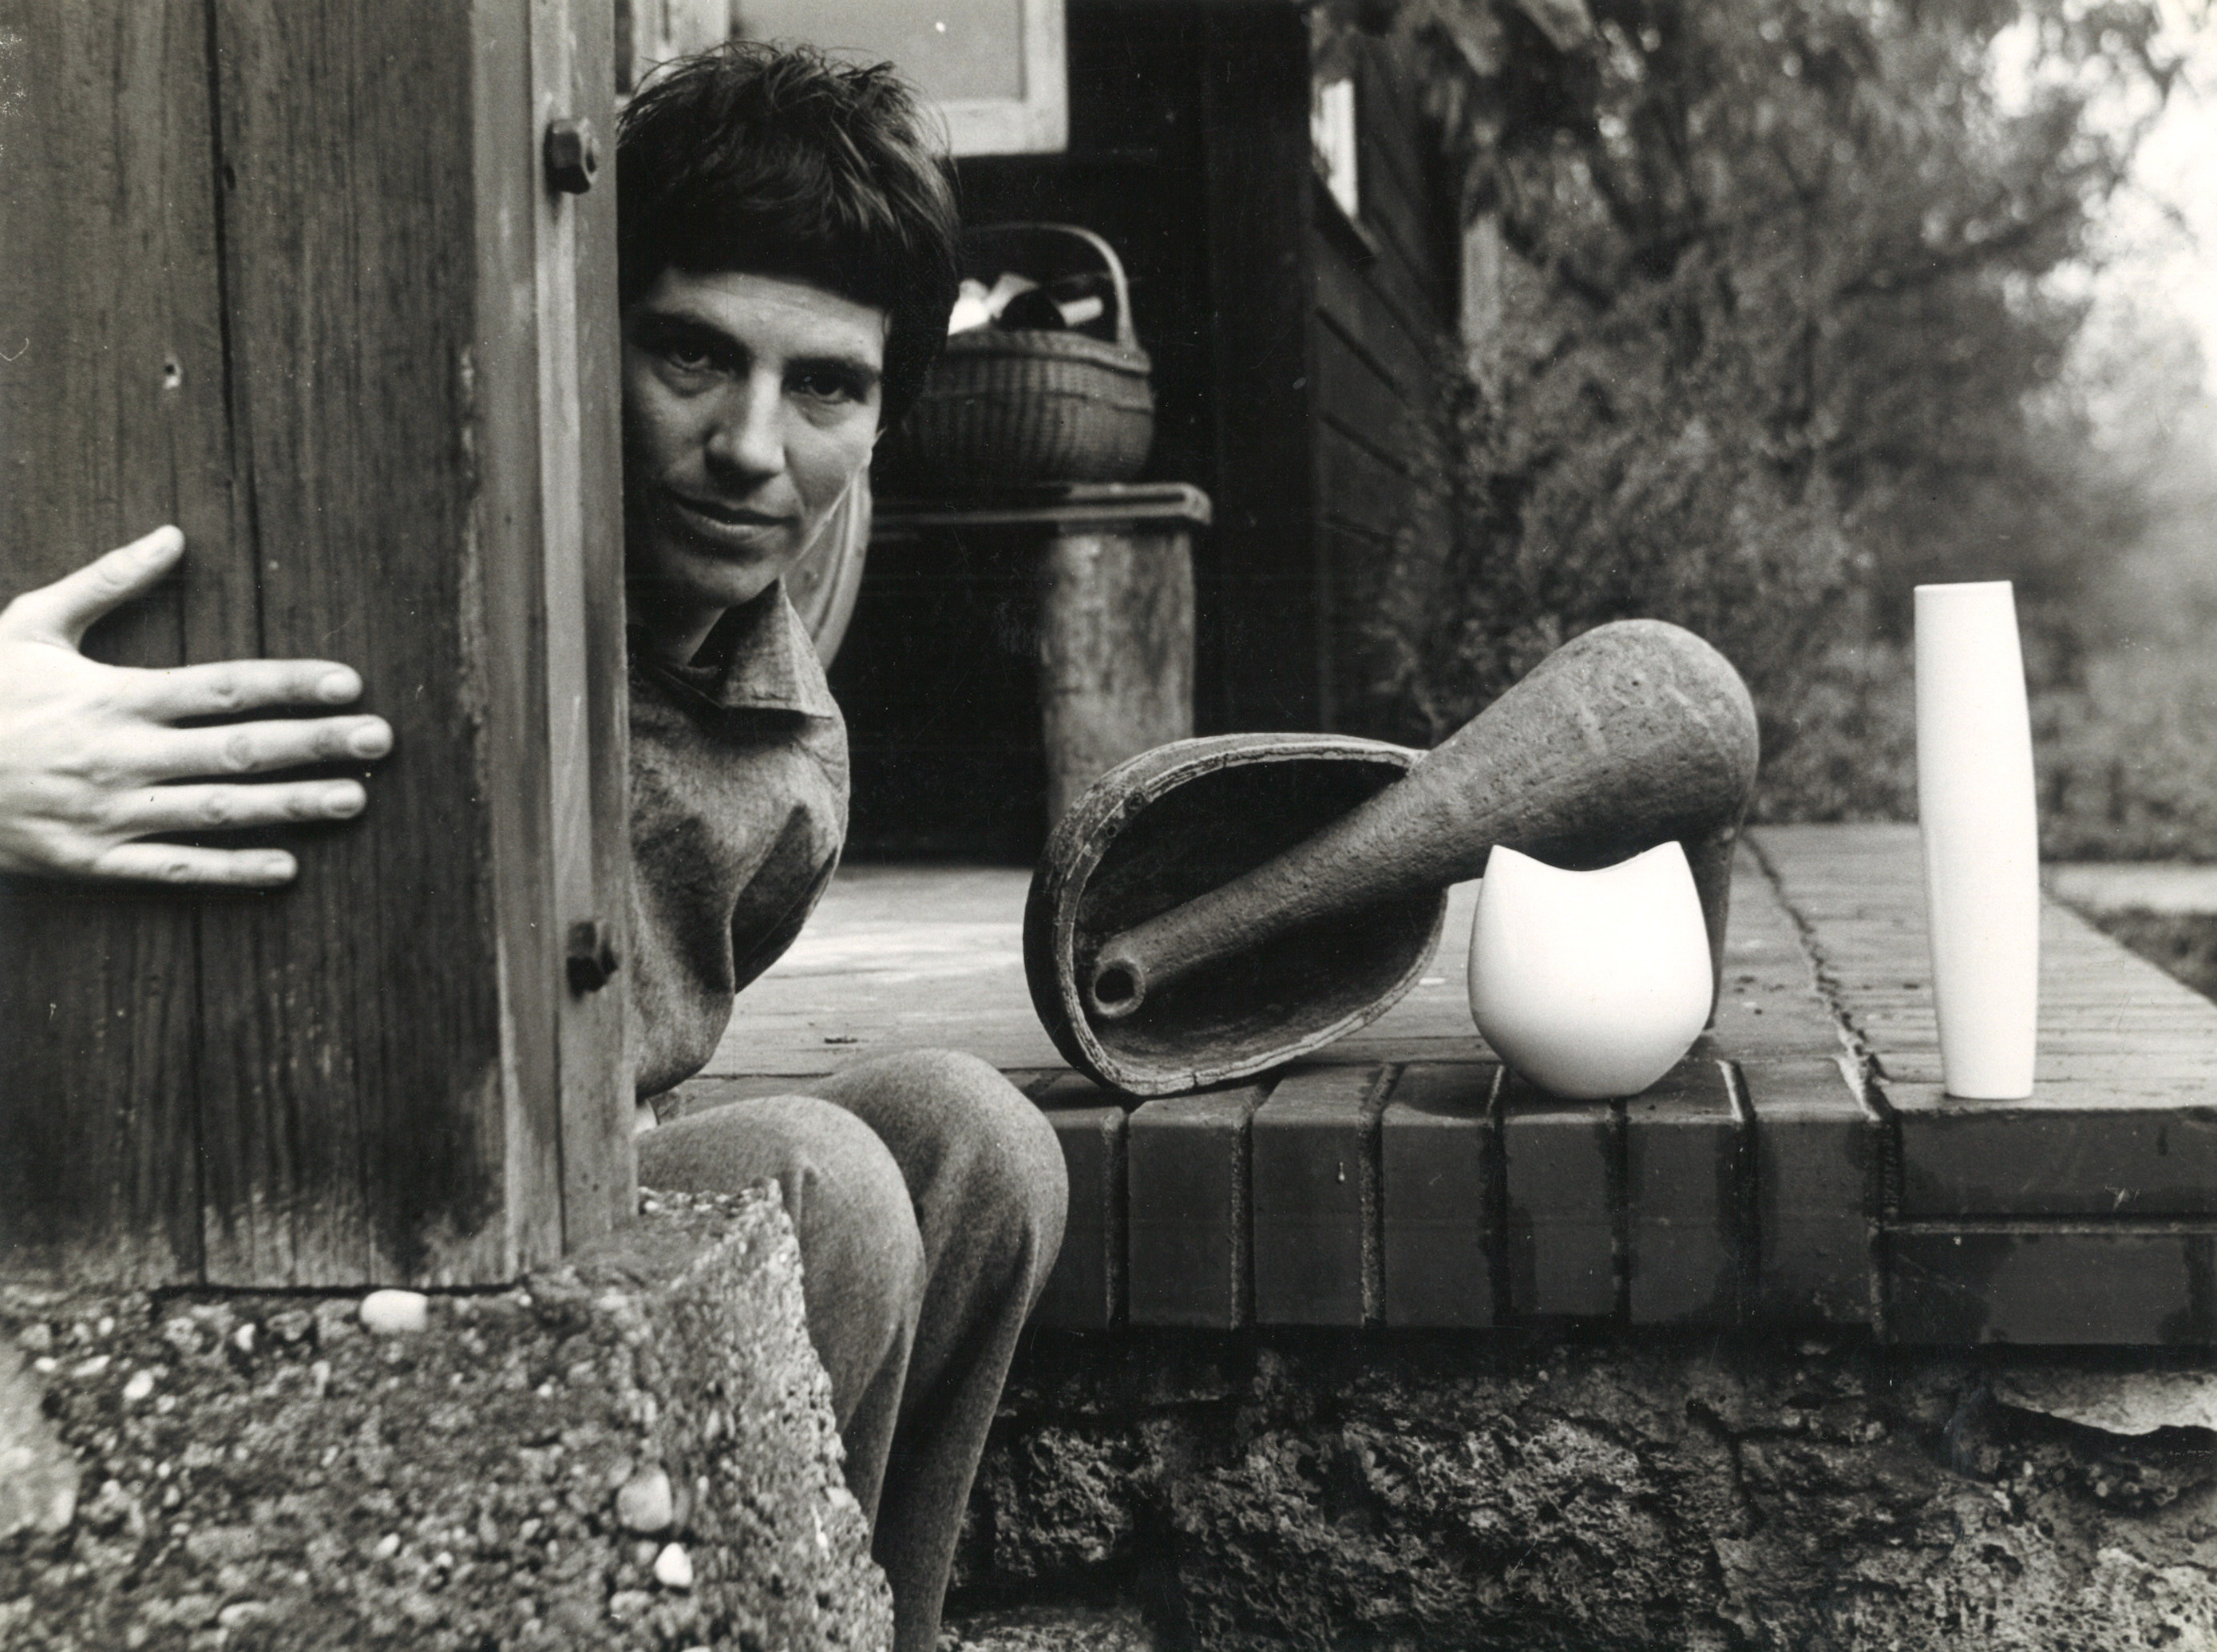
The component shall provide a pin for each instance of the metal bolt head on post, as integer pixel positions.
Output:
(591, 957)
(573, 156)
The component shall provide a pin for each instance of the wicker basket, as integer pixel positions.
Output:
(1004, 408)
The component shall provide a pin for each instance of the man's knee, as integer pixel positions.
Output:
(965, 1133)
(849, 1205)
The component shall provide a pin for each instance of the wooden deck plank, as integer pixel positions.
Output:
(1816, 1139)
(1685, 1197)
(1817, 1187)
(931, 957)
(1441, 1216)
(2009, 1226)
(1768, 1001)
(896, 957)
(2111, 1284)
(1562, 1171)
(1188, 1248)
(2077, 1148)
(1315, 1188)
(1086, 1290)
(2123, 1122)
(114, 266)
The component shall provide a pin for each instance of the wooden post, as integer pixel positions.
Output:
(1115, 650)
(1114, 578)
(291, 274)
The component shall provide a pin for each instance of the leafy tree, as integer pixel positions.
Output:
(1777, 323)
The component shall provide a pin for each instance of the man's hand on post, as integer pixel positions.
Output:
(92, 762)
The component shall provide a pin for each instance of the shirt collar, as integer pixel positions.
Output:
(757, 658)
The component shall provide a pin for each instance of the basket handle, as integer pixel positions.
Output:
(1101, 249)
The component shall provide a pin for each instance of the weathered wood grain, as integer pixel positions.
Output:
(581, 484)
(325, 245)
(1398, 352)
(1816, 1141)
(1818, 1190)
(2123, 1117)
(921, 957)
(1360, 394)
(347, 173)
(112, 421)
(2080, 1146)
(1360, 487)
(1534, 1209)
(1116, 651)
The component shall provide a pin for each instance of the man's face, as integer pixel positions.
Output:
(749, 403)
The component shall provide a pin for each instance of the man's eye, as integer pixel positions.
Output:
(688, 358)
(826, 385)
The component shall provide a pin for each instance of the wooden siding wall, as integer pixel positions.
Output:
(1268, 596)
(1296, 357)
(1387, 293)
(277, 273)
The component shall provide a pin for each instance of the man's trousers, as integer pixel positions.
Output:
(928, 1197)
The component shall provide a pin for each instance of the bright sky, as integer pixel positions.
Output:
(2158, 245)
(2167, 225)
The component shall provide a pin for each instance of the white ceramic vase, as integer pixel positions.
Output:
(1590, 984)
(1976, 807)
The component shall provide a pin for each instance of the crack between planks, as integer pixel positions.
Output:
(1822, 981)
(1372, 1190)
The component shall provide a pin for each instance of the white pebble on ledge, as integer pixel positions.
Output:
(395, 1312)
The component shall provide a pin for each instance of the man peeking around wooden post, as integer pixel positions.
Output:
(786, 260)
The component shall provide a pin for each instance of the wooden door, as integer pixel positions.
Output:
(290, 274)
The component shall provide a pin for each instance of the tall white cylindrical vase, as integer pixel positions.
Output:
(1975, 803)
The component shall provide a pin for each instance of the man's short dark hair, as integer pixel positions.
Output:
(781, 161)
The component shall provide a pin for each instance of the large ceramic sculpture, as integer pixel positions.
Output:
(1218, 907)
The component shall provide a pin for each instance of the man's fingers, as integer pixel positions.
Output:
(163, 862)
(215, 807)
(255, 748)
(63, 611)
(237, 685)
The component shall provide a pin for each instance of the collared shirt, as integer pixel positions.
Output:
(738, 805)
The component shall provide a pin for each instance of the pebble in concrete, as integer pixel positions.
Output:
(493, 1501)
(395, 1312)
(644, 1503)
(38, 1475)
(673, 1568)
